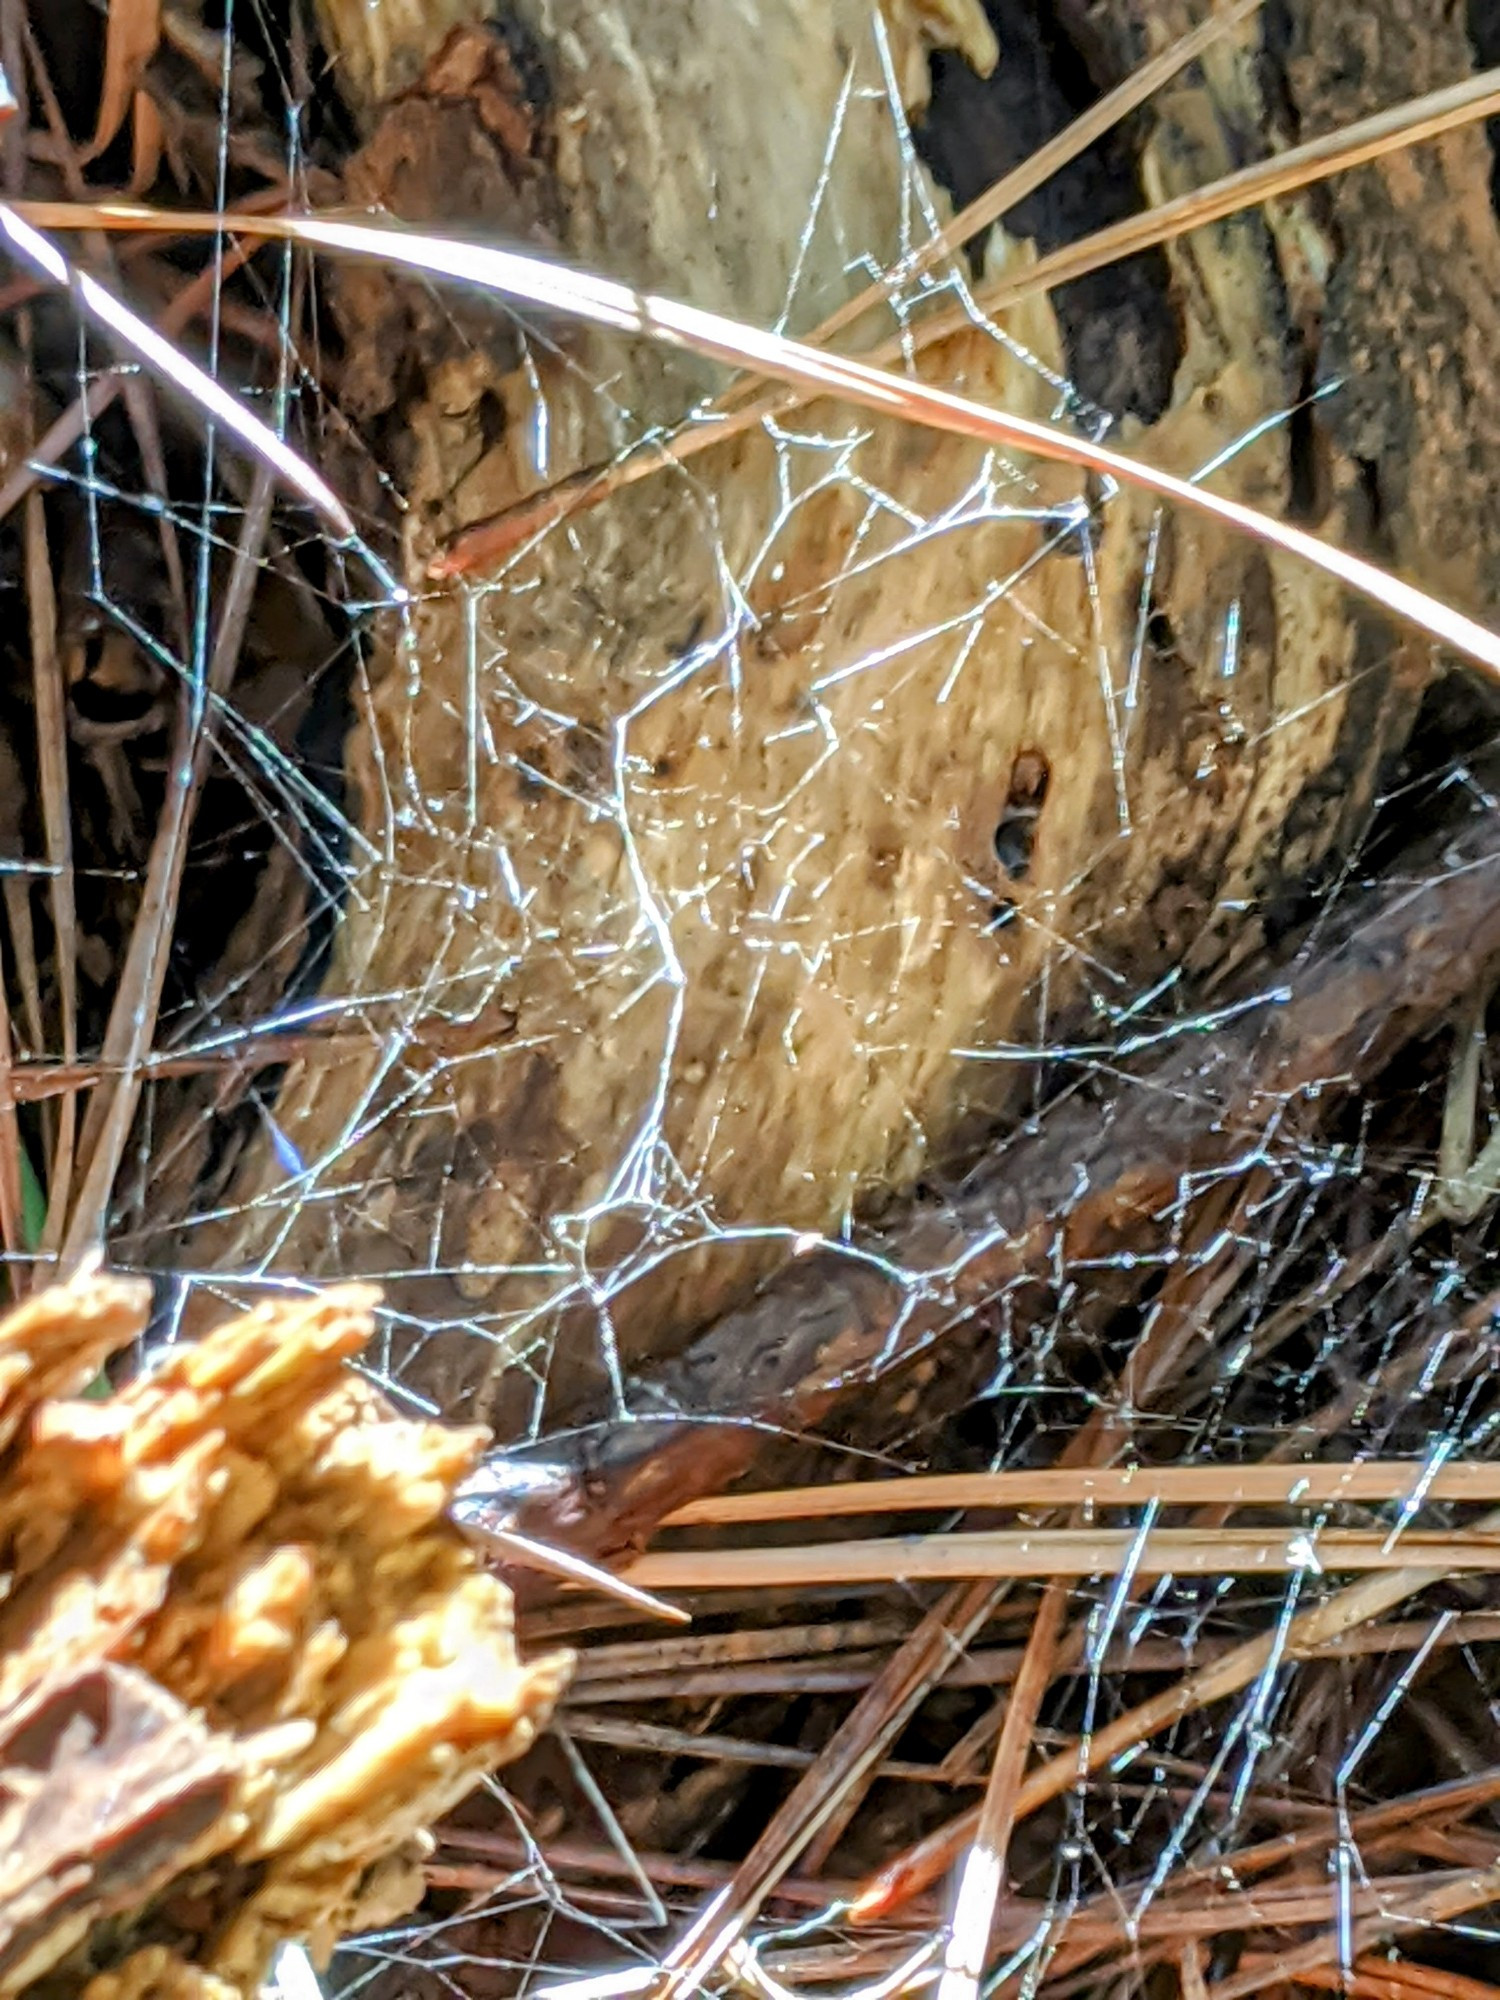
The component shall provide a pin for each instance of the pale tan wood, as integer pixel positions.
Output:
(690, 810)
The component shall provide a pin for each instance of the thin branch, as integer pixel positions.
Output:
(1079, 1185)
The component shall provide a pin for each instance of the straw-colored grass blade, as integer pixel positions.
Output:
(1284, 174)
(1330, 1483)
(584, 295)
(172, 366)
(50, 706)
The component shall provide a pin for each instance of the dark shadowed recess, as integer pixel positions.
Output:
(1482, 21)
(1118, 325)
(266, 867)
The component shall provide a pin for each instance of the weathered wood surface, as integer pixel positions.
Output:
(689, 812)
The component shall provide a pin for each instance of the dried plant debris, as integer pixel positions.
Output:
(805, 949)
(245, 1658)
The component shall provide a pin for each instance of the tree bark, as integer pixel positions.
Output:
(752, 822)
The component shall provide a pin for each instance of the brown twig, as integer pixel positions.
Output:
(653, 1739)
(1393, 1979)
(996, 1666)
(1076, 1186)
(574, 1858)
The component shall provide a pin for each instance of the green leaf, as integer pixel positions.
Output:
(33, 1201)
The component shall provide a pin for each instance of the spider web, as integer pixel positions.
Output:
(534, 1117)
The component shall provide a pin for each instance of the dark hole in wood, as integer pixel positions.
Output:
(1015, 832)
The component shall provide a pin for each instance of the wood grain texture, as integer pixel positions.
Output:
(697, 799)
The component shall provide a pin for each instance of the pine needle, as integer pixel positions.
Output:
(12, 1155)
(1364, 1482)
(1048, 1552)
(584, 295)
(49, 704)
(1420, 118)
(1284, 174)
(1037, 168)
(171, 365)
(507, 1545)
(1355, 1605)
(861, 1742)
